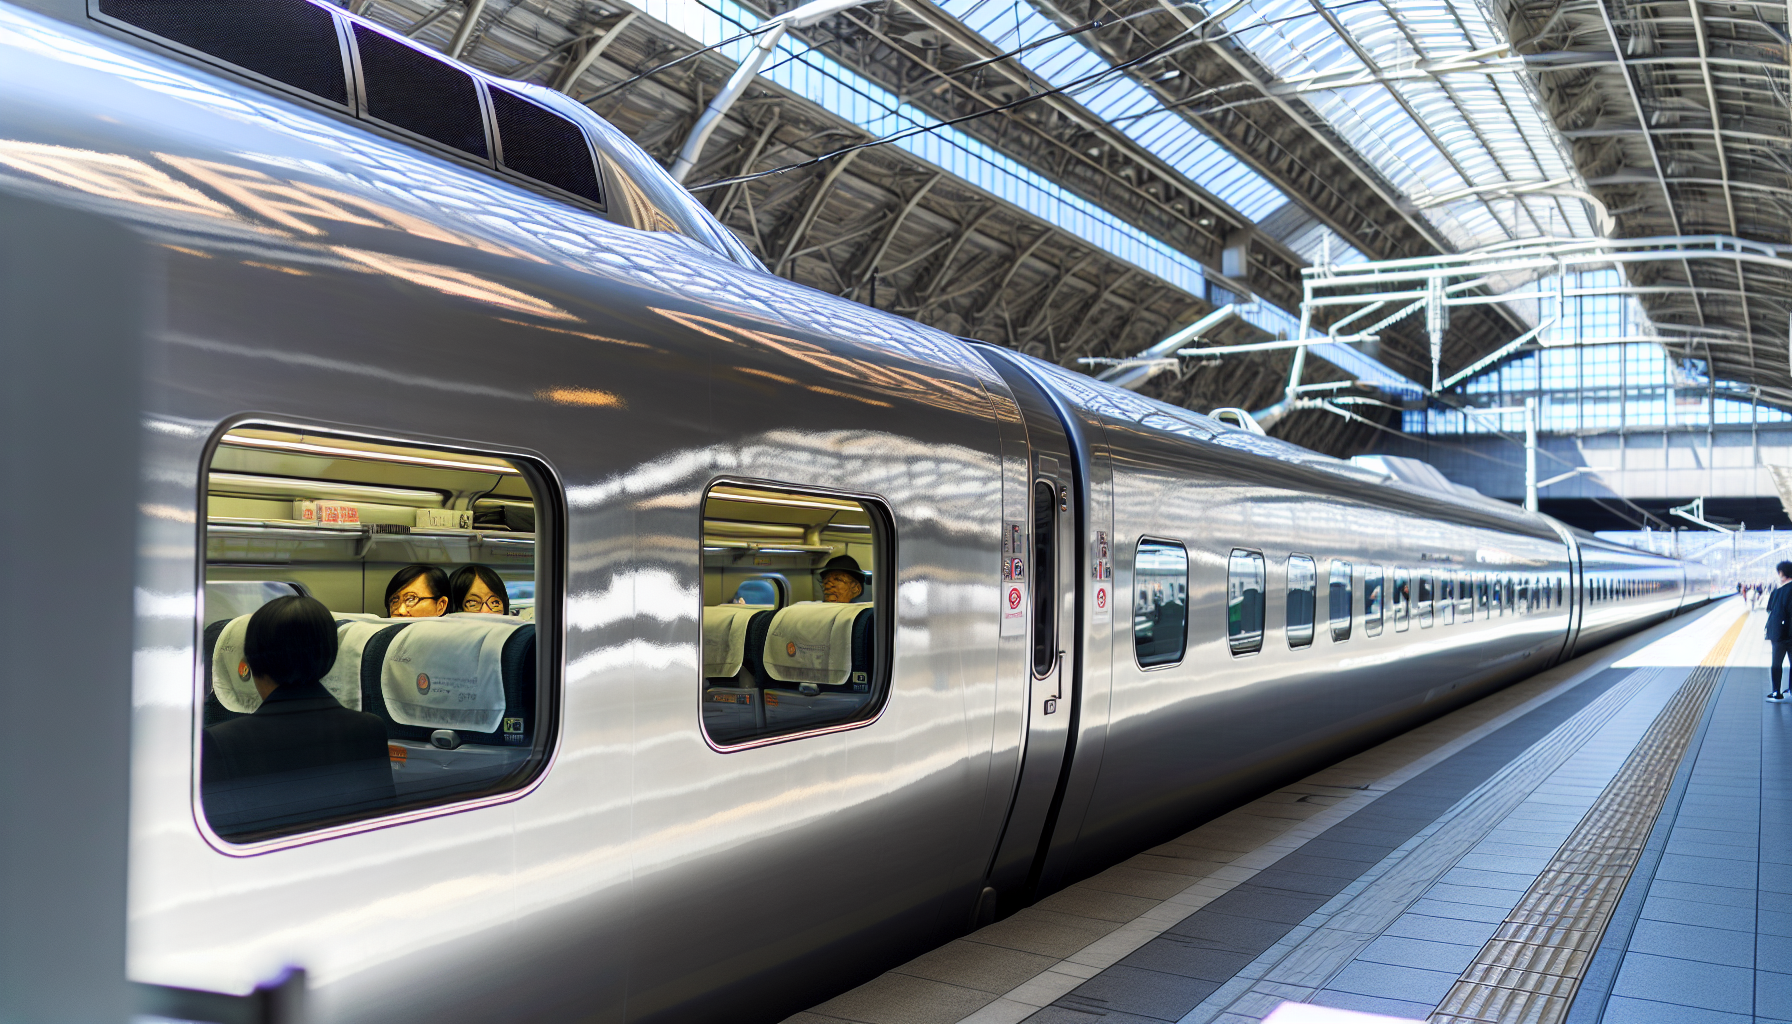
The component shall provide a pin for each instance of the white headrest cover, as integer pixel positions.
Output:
(811, 642)
(725, 637)
(235, 688)
(447, 673)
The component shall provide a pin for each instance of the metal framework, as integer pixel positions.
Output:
(1678, 117)
(1434, 287)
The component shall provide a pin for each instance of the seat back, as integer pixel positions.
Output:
(820, 644)
(472, 674)
(232, 691)
(725, 640)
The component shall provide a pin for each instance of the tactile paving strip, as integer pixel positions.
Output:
(1529, 971)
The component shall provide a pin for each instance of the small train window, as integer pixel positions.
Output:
(1426, 600)
(796, 599)
(1482, 599)
(1340, 599)
(1446, 598)
(1245, 581)
(1303, 586)
(1160, 603)
(1373, 598)
(369, 631)
(1401, 600)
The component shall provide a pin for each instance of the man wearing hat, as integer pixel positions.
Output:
(842, 581)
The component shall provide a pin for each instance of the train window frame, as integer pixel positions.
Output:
(349, 78)
(1446, 599)
(884, 543)
(548, 495)
(1240, 640)
(1310, 569)
(1375, 599)
(1340, 625)
(1165, 546)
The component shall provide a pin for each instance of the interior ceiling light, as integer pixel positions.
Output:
(331, 451)
(757, 499)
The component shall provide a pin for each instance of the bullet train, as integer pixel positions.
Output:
(812, 637)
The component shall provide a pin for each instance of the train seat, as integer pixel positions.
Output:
(725, 639)
(818, 664)
(232, 693)
(733, 707)
(820, 645)
(457, 694)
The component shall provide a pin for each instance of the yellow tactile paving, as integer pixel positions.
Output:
(1529, 970)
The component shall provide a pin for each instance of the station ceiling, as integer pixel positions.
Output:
(1254, 139)
(1677, 117)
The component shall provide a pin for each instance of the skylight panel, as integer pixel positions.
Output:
(1012, 24)
(1464, 143)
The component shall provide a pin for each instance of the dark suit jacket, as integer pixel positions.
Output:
(1779, 614)
(300, 757)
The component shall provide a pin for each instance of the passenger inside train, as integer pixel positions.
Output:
(842, 582)
(299, 756)
(392, 544)
(417, 592)
(477, 590)
(791, 606)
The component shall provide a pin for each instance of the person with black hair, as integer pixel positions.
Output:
(417, 592)
(842, 581)
(1779, 629)
(476, 588)
(301, 756)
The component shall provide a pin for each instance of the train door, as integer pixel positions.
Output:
(1571, 635)
(1048, 563)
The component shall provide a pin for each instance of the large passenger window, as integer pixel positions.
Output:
(1340, 599)
(1303, 586)
(1160, 603)
(795, 608)
(369, 634)
(1373, 597)
(1245, 580)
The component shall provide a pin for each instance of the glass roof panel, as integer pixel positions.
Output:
(1452, 143)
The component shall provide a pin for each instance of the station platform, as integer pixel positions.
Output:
(1610, 840)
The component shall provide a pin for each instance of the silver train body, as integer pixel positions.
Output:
(647, 875)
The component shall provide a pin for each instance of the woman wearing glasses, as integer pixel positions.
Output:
(476, 588)
(417, 592)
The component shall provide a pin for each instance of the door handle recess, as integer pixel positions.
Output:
(1051, 703)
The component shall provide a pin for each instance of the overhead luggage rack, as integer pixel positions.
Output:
(260, 541)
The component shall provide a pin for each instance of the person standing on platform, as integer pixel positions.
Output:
(1779, 629)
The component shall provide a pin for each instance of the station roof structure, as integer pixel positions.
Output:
(1082, 178)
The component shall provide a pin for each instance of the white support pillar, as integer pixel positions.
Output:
(772, 33)
(464, 31)
(1530, 454)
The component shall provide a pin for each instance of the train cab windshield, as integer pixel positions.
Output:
(794, 589)
(368, 630)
